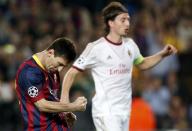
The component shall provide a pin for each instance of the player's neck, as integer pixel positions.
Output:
(41, 57)
(114, 38)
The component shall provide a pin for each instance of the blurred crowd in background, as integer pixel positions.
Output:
(162, 96)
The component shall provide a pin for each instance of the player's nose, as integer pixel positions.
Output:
(127, 24)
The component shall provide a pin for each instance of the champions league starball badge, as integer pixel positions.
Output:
(33, 91)
(81, 60)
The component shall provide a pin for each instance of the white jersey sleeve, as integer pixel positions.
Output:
(87, 59)
(138, 58)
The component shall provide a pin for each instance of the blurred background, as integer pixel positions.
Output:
(162, 96)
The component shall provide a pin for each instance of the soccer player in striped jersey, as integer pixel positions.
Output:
(110, 60)
(38, 89)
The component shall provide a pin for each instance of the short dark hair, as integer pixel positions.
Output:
(64, 47)
(112, 10)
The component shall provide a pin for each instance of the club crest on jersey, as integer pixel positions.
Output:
(33, 91)
(81, 60)
(129, 53)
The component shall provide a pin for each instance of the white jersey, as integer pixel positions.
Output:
(111, 68)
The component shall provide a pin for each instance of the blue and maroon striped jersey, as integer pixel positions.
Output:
(32, 84)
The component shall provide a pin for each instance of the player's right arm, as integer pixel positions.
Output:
(50, 106)
(67, 83)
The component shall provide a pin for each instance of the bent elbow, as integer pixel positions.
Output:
(41, 106)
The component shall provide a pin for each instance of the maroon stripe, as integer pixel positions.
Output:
(42, 121)
(64, 128)
(54, 126)
(19, 98)
(78, 68)
(111, 42)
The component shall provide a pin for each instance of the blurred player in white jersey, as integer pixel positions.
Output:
(110, 60)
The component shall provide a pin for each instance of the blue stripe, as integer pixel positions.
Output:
(24, 112)
(59, 128)
(36, 123)
(48, 121)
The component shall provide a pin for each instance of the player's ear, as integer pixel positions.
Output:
(50, 52)
(110, 23)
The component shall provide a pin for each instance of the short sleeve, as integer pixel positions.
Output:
(31, 81)
(87, 59)
(138, 58)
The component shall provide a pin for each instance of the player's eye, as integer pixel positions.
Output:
(61, 64)
(123, 20)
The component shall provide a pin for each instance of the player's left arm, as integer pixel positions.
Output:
(151, 61)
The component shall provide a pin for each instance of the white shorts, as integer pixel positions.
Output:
(111, 123)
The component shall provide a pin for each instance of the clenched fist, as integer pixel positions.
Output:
(80, 104)
(168, 50)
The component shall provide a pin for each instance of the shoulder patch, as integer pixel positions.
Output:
(33, 91)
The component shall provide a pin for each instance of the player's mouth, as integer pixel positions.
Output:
(126, 30)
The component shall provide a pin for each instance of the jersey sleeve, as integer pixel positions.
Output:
(138, 58)
(31, 82)
(87, 59)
